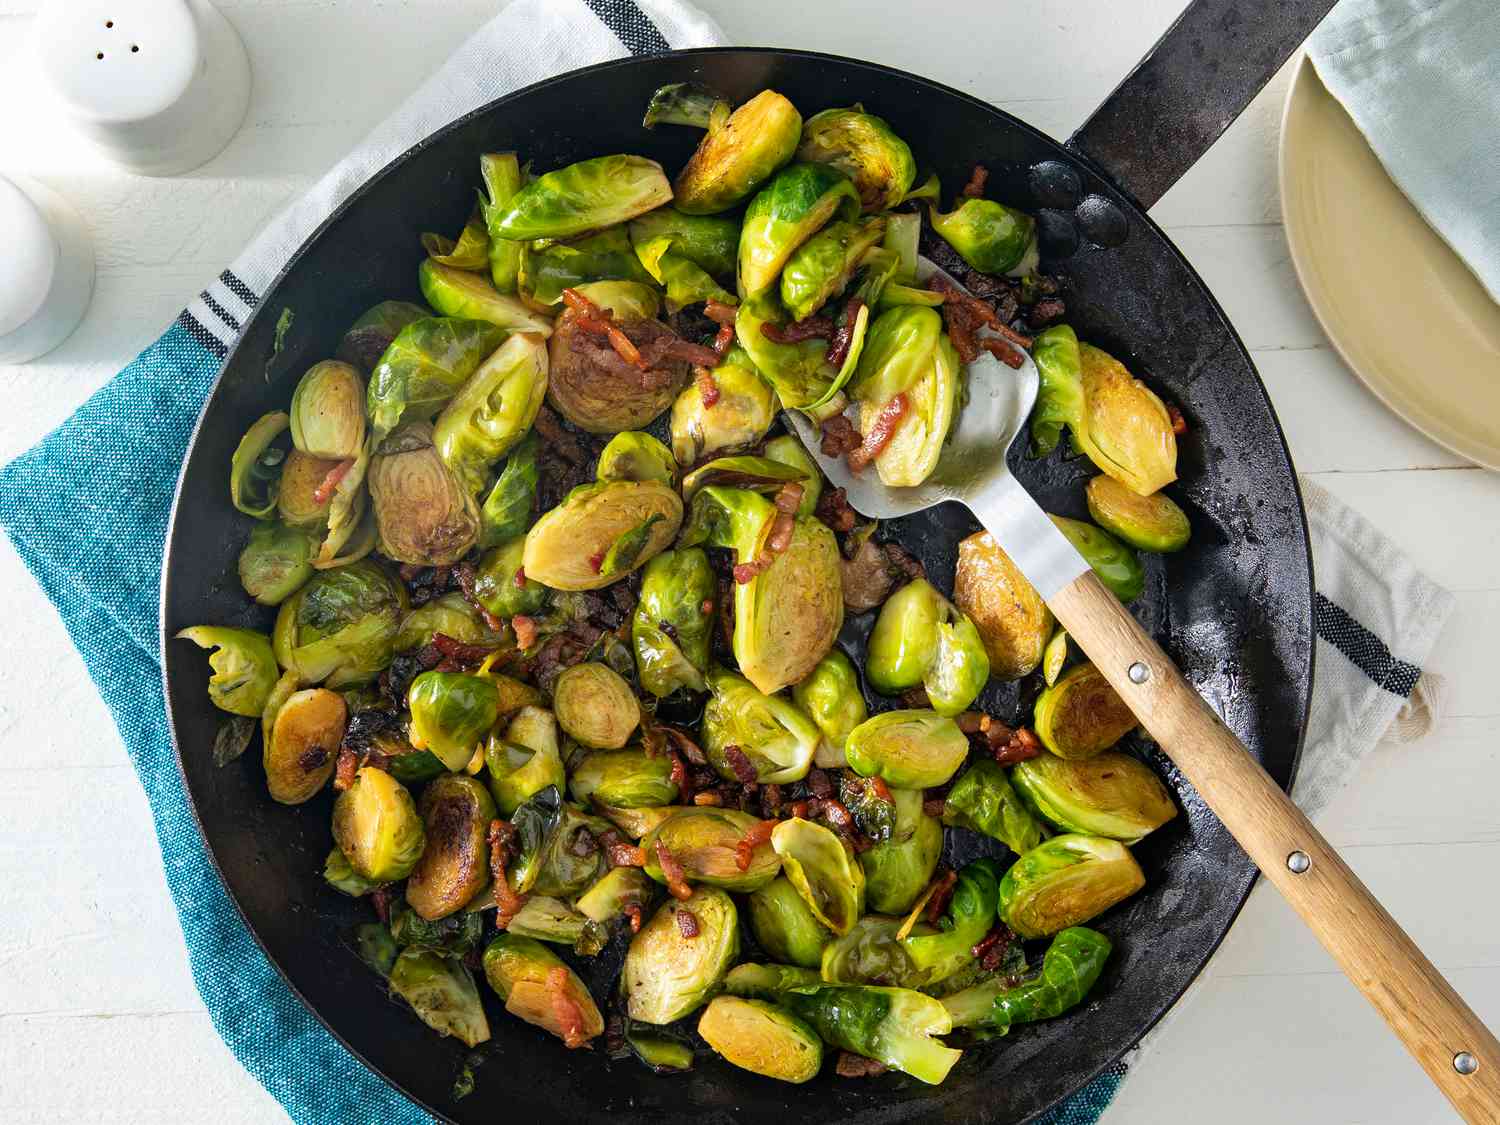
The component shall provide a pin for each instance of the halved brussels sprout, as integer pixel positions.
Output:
(899, 869)
(341, 877)
(634, 455)
(971, 915)
(506, 511)
(739, 417)
(667, 974)
(775, 737)
(244, 667)
(1069, 969)
(536, 986)
(921, 638)
(1081, 715)
(789, 451)
(304, 745)
(495, 582)
(1116, 564)
(982, 800)
(798, 372)
(603, 259)
(601, 532)
(830, 695)
(1059, 400)
(786, 213)
(990, 236)
(706, 842)
(424, 513)
(1065, 882)
(785, 925)
(685, 254)
(895, 1026)
(328, 411)
(450, 713)
(276, 561)
(823, 870)
(585, 196)
(282, 690)
(623, 779)
(525, 761)
(1110, 794)
(636, 823)
(256, 466)
(822, 266)
(376, 826)
(740, 151)
(871, 953)
(340, 628)
(470, 296)
(1148, 523)
(616, 889)
(451, 615)
(768, 982)
(301, 501)
(455, 865)
(502, 176)
(1124, 428)
(368, 337)
(758, 1036)
(912, 453)
(907, 749)
(673, 622)
(442, 992)
(898, 352)
(866, 149)
(595, 706)
(1013, 620)
(493, 410)
(426, 364)
(451, 936)
(758, 474)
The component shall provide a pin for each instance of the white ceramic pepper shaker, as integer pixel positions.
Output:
(159, 86)
(46, 271)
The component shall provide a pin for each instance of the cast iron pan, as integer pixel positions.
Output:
(1234, 609)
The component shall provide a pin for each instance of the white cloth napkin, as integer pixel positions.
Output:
(1421, 79)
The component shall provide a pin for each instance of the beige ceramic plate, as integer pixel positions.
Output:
(1405, 313)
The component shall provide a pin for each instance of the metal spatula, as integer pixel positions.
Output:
(1458, 1052)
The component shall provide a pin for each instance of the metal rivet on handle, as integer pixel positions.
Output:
(1298, 862)
(1138, 673)
(1465, 1063)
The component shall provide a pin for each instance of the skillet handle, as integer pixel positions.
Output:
(1190, 86)
(1424, 1011)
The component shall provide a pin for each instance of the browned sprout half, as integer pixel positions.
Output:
(299, 503)
(305, 739)
(595, 706)
(1081, 715)
(600, 533)
(456, 814)
(422, 511)
(1011, 617)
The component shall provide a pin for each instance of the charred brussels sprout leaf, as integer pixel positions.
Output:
(442, 993)
(830, 695)
(786, 213)
(524, 762)
(866, 149)
(276, 562)
(558, 856)
(982, 800)
(244, 667)
(1013, 621)
(1148, 523)
(450, 713)
(895, 1026)
(426, 364)
(502, 176)
(451, 936)
(537, 987)
(667, 975)
(256, 466)
(990, 236)
(785, 925)
(595, 706)
(921, 638)
(739, 417)
(1116, 564)
(585, 196)
(671, 627)
(823, 870)
(1065, 882)
(823, 265)
(376, 826)
(506, 511)
(971, 915)
(1081, 715)
(305, 737)
(569, 547)
(769, 732)
(623, 779)
(706, 842)
(340, 628)
(368, 337)
(1123, 427)
(907, 749)
(456, 814)
(495, 582)
(1110, 794)
(328, 411)
(1070, 967)
(493, 410)
(740, 151)
(897, 870)
(760, 1037)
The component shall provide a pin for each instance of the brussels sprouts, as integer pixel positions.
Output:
(596, 707)
(1013, 621)
(898, 352)
(368, 337)
(679, 103)
(550, 919)
(990, 236)
(376, 826)
(470, 252)
(328, 411)
(623, 779)
(282, 690)
(536, 986)
(1116, 564)
(636, 823)
(921, 638)
(450, 713)
(739, 417)
(822, 266)
(684, 254)
(865, 148)
(1148, 523)
(442, 993)
(971, 915)
(525, 761)
(871, 953)
(256, 466)
(706, 842)
(493, 410)
(912, 453)
(424, 513)
(409, 765)
(341, 877)
(452, 936)
(634, 455)
(663, 1051)
(506, 511)
(585, 196)
(1059, 400)
(895, 1026)
(601, 532)
(830, 695)
(1071, 965)
(1065, 882)
(767, 982)
(758, 474)
(1080, 715)
(244, 667)
(426, 364)
(340, 628)
(502, 176)
(799, 373)
(899, 869)
(603, 259)
(558, 856)
(300, 501)
(1054, 656)
(1110, 794)
(276, 561)
(456, 814)
(495, 582)
(1123, 427)
(668, 975)
(786, 213)
(907, 749)
(740, 151)
(451, 615)
(760, 1037)
(823, 870)
(673, 621)
(785, 925)
(777, 739)
(982, 800)
(304, 744)
(789, 451)
(616, 889)
(903, 234)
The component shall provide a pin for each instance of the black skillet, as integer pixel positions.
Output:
(1234, 609)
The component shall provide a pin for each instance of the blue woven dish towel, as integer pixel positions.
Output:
(117, 459)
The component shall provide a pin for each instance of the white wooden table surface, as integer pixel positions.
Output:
(99, 1019)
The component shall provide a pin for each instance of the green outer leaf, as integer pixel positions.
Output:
(501, 172)
(823, 265)
(675, 586)
(585, 196)
(786, 213)
(254, 485)
(971, 915)
(799, 372)
(1070, 967)
(894, 1025)
(899, 869)
(824, 872)
(1059, 402)
(470, 252)
(605, 256)
(426, 364)
(679, 103)
(506, 512)
(898, 352)
(493, 410)
(708, 241)
(982, 800)
(244, 667)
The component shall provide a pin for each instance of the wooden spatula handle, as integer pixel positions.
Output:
(1438, 1028)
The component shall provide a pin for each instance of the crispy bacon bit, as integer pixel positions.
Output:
(937, 905)
(723, 340)
(934, 806)
(348, 766)
(685, 746)
(720, 313)
(743, 768)
(801, 809)
(813, 328)
(681, 776)
(974, 189)
(502, 841)
(986, 943)
(1020, 746)
(851, 1065)
(453, 649)
(708, 388)
(619, 852)
(381, 898)
(526, 631)
(570, 1022)
(990, 959)
(518, 580)
(839, 437)
(1179, 423)
(596, 560)
(834, 510)
(880, 433)
(843, 335)
(836, 814)
(881, 790)
(708, 797)
(1002, 351)
(599, 322)
(788, 498)
(744, 851)
(707, 607)
(819, 784)
(972, 722)
(1044, 312)
(687, 923)
(324, 492)
(674, 872)
(633, 913)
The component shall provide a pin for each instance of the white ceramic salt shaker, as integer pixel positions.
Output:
(46, 271)
(159, 86)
